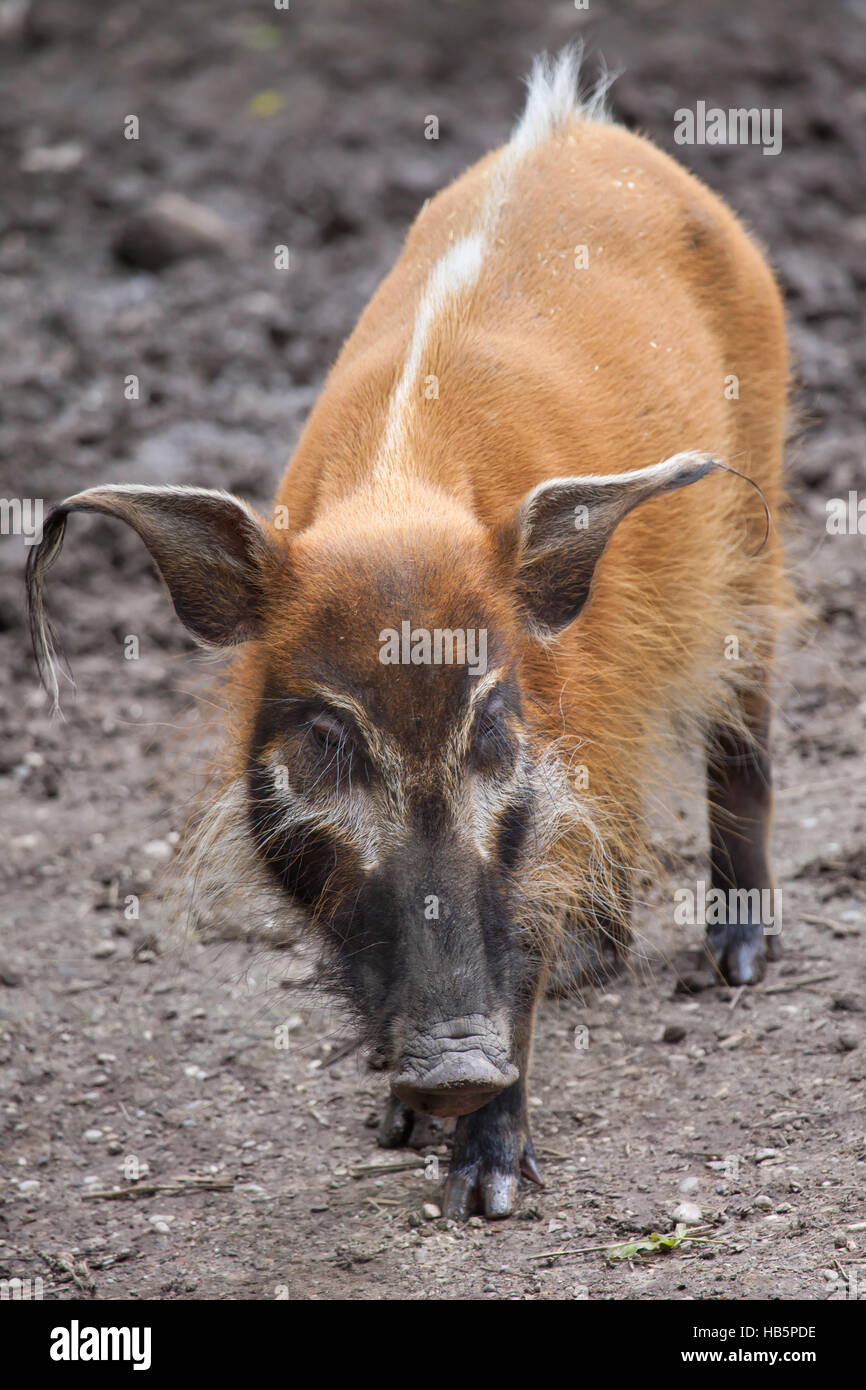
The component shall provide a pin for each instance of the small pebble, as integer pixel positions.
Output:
(674, 1033)
(764, 1203)
(92, 1136)
(848, 1003)
(430, 1211)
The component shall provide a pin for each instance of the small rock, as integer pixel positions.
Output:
(694, 981)
(689, 1213)
(764, 1203)
(9, 977)
(847, 1042)
(92, 1136)
(157, 849)
(115, 1146)
(674, 1033)
(29, 1185)
(104, 950)
(689, 1185)
(761, 1155)
(169, 229)
(430, 1211)
(52, 159)
(848, 1003)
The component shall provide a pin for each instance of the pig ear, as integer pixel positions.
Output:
(210, 548)
(563, 526)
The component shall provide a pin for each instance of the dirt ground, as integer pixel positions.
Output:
(126, 1060)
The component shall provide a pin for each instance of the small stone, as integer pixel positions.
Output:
(848, 1003)
(689, 1213)
(674, 1033)
(847, 1042)
(762, 1155)
(145, 957)
(764, 1203)
(52, 159)
(157, 849)
(29, 1185)
(430, 1211)
(169, 229)
(104, 950)
(115, 1146)
(92, 1136)
(689, 1185)
(694, 981)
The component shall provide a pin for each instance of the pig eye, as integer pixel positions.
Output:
(328, 735)
(492, 745)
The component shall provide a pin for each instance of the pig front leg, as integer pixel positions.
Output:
(492, 1150)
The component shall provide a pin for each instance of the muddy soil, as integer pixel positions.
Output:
(126, 1060)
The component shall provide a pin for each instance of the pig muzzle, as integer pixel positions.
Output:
(454, 1067)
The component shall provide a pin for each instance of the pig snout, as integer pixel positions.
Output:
(455, 1067)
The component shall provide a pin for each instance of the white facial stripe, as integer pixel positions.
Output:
(352, 819)
(483, 684)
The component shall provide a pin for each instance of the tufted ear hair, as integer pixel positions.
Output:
(561, 528)
(211, 549)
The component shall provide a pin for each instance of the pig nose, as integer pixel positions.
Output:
(453, 1070)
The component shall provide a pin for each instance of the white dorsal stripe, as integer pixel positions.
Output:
(553, 101)
(457, 270)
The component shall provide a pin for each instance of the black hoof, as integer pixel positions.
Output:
(739, 951)
(488, 1183)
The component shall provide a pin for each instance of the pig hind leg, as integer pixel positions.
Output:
(739, 788)
(594, 950)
